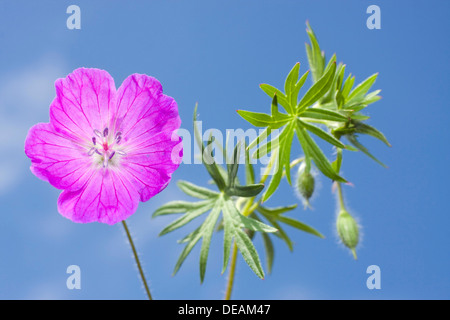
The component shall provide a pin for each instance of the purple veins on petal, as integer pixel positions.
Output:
(106, 186)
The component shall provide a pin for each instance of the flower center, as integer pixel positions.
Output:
(105, 148)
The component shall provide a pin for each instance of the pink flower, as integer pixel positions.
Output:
(107, 149)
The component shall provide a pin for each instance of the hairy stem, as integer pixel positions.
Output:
(232, 272)
(136, 257)
(340, 195)
(248, 209)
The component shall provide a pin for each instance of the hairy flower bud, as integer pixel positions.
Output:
(305, 183)
(348, 230)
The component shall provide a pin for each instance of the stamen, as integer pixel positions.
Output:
(121, 152)
(118, 137)
(98, 152)
(105, 132)
(112, 155)
(94, 141)
(91, 151)
(98, 133)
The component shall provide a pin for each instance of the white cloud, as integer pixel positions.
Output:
(25, 96)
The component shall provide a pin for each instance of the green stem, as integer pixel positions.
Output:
(248, 209)
(232, 272)
(136, 257)
(340, 195)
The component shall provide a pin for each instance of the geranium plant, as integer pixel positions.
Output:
(331, 109)
(108, 150)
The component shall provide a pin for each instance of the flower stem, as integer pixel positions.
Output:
(340, 195)
(248, 209)
(136, 257)
(232, 272)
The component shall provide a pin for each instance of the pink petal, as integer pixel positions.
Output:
(150, 165)
(148, 120)
(84, 103)
(107, 197)
(142, 108)
(56, 158)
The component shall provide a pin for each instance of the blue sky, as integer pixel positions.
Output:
(217, 53)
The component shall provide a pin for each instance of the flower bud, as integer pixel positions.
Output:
(305, 183)
(348, 230)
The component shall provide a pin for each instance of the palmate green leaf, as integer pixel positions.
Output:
(233, 166)
(207, 159)
(333, 92)
(313, 152)
(191, 240)
(372, 97)
(362, 88)
(275, 211)
(177, 207)
(187, 217)
(322, 134)
(271, 91)
(233, 222)
(316, 57)
(348, 85)
(270, 252)
(292, 88)
(259, 139)
(278, 119)
(255, 225)
(274, 181)
(247, 191)
(300, 226)
(359, 116)
(249, 171)
(228, 233)
(275, 217)
(267, 147)
(268, 245)
(318, 89)
(196, 191)
(286, 151)
(216, 202)
(207, 231)
(248, 252)
(293, 97)
(279, 156)
(274, 121)
(323, 114)
(371, 131)
(354, 141)
(256, 118)
(291, 79)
